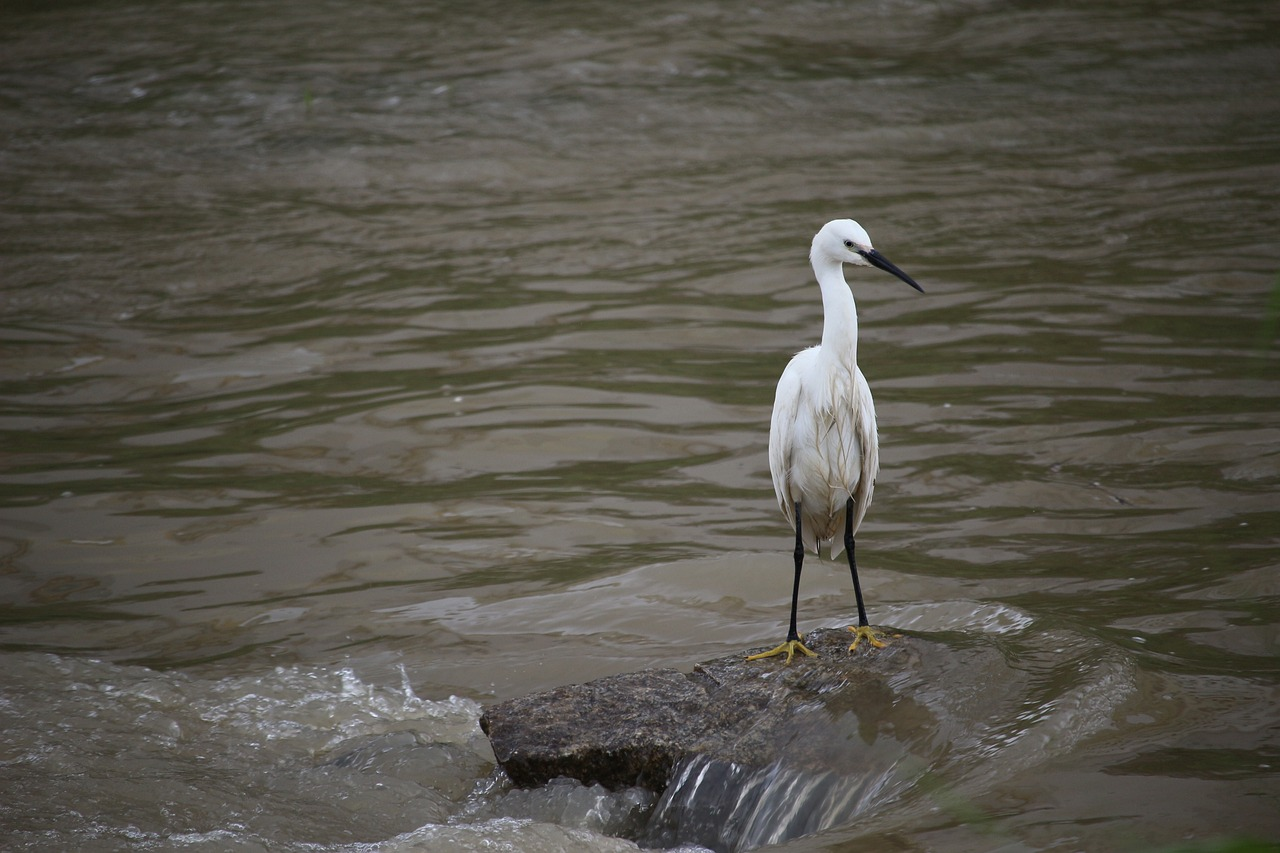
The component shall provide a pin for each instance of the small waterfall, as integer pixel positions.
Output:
(729, 807)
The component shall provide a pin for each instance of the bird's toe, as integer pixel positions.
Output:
(789, 648)
(874, 638)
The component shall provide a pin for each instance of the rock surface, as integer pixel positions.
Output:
(633, 729)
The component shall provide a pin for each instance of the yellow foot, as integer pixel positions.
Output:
(871, 635)
(789, 648)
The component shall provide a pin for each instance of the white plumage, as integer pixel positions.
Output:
(824, 453)
(822, 447)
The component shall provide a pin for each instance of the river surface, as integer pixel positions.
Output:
(365, 363)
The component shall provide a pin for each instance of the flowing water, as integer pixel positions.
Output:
(366, 363)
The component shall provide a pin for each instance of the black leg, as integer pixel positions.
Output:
(853, 565)
(792, 645)
(795, 590)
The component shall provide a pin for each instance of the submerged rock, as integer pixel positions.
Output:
(634, 729)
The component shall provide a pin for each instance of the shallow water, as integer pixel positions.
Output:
(362, 365)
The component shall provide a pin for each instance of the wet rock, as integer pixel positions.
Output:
(633, 729)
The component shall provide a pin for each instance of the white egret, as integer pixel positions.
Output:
(823, 449)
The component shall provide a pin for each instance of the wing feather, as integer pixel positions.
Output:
(822, 448)
(782, 429)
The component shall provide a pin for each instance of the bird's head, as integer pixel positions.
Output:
(847, 242)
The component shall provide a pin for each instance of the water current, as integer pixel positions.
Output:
(363, 364)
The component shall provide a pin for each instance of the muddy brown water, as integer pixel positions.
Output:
(362, 364)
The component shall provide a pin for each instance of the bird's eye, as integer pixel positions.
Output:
(848, 244)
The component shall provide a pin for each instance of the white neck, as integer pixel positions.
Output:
(839, 313)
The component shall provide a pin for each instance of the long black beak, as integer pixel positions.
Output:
(880, 262)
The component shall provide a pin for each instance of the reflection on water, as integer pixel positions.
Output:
(335, 344)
